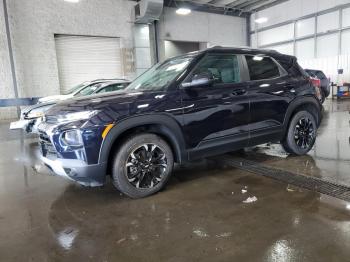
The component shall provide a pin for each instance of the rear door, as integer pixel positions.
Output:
(270, 92)
(217, 115)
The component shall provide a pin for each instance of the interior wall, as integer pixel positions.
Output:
(294, 9)
(33, 25)
(212, 29)
(6, 89)
(174, 48)
(319, 41)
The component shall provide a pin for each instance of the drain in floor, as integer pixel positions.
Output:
(303, 181)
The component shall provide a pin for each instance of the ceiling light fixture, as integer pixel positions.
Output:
(261, 20)
(72, 1)
(183, 11)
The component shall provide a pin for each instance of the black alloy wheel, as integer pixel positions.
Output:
(146, 166)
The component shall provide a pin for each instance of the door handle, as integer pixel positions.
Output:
(238, 92)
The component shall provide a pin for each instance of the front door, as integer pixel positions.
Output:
(216, 115)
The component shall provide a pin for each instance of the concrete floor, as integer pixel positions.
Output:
(200, 216)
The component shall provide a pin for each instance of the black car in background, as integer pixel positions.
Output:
(192, 106)
(325, 83)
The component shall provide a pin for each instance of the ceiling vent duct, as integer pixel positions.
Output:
(146, 11)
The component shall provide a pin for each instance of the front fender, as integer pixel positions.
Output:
(168, 127)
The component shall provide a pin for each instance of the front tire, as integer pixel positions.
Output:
(301, 134)
(142, 165)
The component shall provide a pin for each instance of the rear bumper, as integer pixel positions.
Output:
(78, 170)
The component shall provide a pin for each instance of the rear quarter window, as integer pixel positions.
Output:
(262, 67)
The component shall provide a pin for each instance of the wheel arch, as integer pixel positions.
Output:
(308, 103)
(164, 126)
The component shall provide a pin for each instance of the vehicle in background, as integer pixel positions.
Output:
(324, 84)
(31, 115)
(192, 106)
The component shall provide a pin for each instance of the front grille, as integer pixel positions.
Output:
(47, 148)
(51, 119)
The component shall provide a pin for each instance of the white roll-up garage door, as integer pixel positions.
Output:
(84, 58)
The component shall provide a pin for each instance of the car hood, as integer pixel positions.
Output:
(55, 98)
(27, 109)
(109, 106)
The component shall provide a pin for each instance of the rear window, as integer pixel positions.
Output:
(262, 68)
(320, 74)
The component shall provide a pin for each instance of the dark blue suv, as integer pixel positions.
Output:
(191, 106)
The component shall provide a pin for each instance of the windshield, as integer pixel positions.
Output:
(75, 88)
(160, 75)
(88, 90)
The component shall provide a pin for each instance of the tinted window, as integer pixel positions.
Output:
(262, 68)
(88, 90)
(320, 74)
(224, 68)
(114, 87)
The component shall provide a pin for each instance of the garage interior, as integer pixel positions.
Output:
(257, 204)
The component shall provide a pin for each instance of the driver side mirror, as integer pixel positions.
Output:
(200, 80)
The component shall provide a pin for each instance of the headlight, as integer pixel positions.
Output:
(35, 114)
(71, 138)
(70, 117)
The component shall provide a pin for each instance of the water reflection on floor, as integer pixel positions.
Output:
(330, 157)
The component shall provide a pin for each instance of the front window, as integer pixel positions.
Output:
(89, 90)
(75, 88)
(160, 75)
(223, 69)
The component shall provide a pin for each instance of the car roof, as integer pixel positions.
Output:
(238, 50)
(120, 80)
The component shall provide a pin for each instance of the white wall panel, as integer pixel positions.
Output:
(275, 35)
(329, 21)
(346, 17)
(294, 9)
(305, 27)
(253, 40)
(305, 49)
(284, 49)
(213, 29)
(345, 42)
(327, 45)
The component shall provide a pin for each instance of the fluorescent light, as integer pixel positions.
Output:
(183, 11)
(72, 1)
(261, 20)
(258, 58)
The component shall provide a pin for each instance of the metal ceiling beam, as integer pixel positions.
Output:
(236, 3)
(208, 8)
(222, 2)
(266, 4)
(248, 3)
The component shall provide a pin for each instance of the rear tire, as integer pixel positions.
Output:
(142, 165)
(301, 134)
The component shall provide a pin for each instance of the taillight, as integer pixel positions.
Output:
(316, 83)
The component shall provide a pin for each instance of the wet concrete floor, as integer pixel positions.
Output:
(207, 212)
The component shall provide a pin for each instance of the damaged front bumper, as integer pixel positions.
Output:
(28, 125)
(77, 170)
